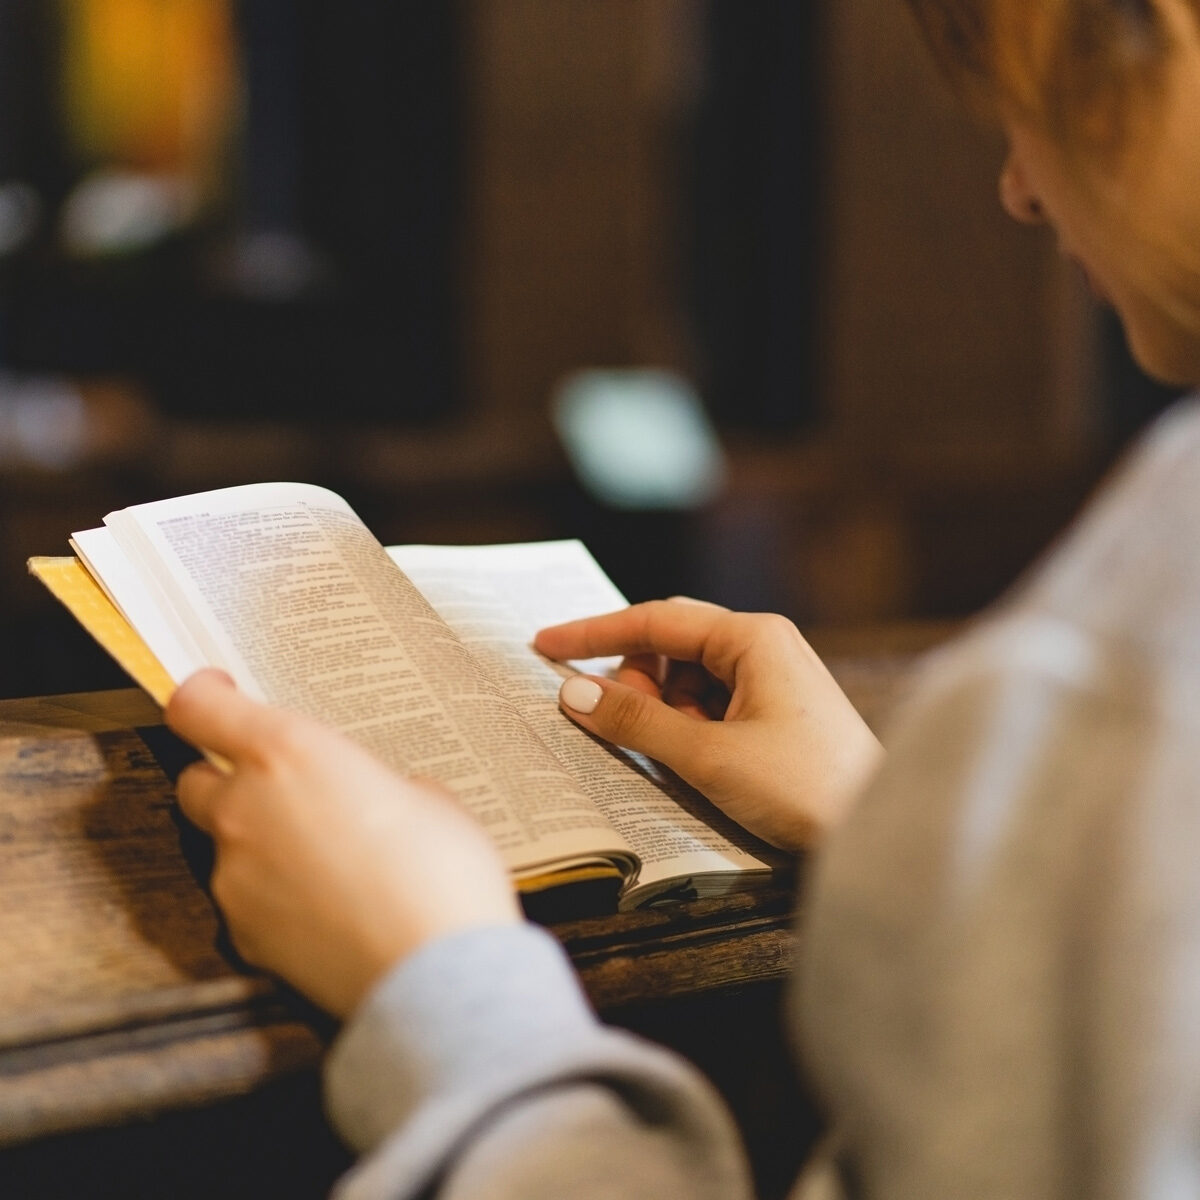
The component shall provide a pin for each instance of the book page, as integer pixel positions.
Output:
(496, 598)
(284, 587)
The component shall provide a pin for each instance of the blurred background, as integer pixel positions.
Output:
(721, 288)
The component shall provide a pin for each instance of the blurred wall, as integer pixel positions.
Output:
(943, 360)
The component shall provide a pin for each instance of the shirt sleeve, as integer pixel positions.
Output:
(477, 1068)
(1001, 974)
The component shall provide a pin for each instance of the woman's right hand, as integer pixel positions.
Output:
(737, 704)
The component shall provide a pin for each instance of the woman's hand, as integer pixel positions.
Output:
(329, 867)
(738, 704)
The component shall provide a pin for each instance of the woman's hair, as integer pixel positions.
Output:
(1067, 65)
(1089, 74)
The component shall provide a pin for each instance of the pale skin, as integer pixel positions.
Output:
(330, 868)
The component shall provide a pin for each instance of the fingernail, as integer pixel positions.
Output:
(581, 694)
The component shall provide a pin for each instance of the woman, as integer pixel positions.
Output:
(1001, 967)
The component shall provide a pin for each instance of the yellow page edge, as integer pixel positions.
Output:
(69, 582)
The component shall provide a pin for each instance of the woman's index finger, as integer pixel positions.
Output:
(678, 630)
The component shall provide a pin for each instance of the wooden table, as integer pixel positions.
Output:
(118, 999)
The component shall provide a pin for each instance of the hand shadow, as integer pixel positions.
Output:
(130, 822)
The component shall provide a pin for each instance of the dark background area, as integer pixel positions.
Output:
(348, 154)
(412, 221)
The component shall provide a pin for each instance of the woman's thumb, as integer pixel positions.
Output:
(627, 717)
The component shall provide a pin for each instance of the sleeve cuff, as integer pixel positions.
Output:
(465, 1020)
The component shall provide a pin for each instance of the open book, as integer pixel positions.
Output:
(420, 653)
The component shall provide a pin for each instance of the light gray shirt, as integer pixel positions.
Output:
(1000, 994)
(1000, 985)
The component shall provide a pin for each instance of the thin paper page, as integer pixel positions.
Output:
(196, 547)
(545, 582)
(496, 598)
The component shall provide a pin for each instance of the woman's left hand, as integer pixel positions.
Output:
(329, 866)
